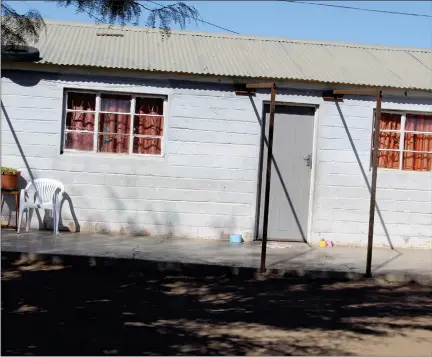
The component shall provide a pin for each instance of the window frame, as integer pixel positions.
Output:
(402, 131)
(131, 114)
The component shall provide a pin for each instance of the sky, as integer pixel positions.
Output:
(293, 20)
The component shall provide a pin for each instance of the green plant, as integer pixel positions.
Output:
(8, 170)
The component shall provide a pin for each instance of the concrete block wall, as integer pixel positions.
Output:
(204, 186)
(341, 203)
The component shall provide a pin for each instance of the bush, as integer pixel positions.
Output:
(8, 170)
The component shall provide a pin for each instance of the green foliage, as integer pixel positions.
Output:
(178, 13)
(24, 29)
(8, 170)
(107, 11)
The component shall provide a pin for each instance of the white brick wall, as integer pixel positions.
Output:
(205, 186)
(341, 204)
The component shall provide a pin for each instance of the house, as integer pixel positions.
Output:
(149, 136)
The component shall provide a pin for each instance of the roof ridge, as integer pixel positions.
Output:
(239, 37)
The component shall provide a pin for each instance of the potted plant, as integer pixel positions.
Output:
(9, 178)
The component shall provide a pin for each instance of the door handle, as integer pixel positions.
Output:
(308, 160)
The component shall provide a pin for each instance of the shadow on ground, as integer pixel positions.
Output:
(70, 308)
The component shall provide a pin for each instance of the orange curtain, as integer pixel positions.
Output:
(418, 142)
(389, 140)
(150, 124)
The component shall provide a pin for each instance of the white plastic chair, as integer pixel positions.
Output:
(47, 194)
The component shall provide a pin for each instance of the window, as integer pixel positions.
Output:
(114, 123)
(405, 141)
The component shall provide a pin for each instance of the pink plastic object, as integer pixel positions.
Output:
(329, 243)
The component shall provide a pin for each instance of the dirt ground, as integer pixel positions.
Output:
(60, 309)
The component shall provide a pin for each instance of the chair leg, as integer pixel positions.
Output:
(55, 220)
(2, 203)
(21, 211)
(57, 210)
(57, 214)
(17, 207)
(29, 217)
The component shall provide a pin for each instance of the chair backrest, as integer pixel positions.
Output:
(45, 189)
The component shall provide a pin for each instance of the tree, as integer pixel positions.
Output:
(22, 29)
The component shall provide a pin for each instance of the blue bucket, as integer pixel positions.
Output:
(236, 238)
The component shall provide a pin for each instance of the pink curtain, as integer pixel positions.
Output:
(82, 121)
(418, 142)
(112, 124)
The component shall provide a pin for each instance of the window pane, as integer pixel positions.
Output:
(80, 121)
(418, 142)
(149, 106)
(417, 161)
(147, 146)
(115, 103)
(81, 101)
(116, 133)
(114, 123)
(389, 140)
(148, 125)
(78, 141)
(418, 122)
(388, 159)
(390, 121)
(113, 143)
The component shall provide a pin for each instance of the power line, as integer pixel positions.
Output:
(359, 8)
(195, 18)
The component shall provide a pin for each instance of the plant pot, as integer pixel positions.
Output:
(10, 181)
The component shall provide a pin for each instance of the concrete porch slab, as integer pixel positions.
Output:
(287, 258)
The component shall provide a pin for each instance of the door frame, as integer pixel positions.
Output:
(257, 227)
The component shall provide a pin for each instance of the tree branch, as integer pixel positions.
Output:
(17, 29)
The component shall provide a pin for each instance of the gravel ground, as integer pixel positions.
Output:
(58, 309)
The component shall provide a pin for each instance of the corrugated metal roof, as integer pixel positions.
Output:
(79, 44)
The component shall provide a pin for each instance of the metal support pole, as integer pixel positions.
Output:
(373, 184)
(268, 177)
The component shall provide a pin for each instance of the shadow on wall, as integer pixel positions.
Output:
(260, 179)
(46, 221)
(378, 211)
(23, 81)
(134, 225)
(172, 219)
(22, 182)
(71, 227)
(6, 116)
(160, 221)
(226, 226)
(119, 308)
(35, 77)
(166, 222)
(261, 189)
